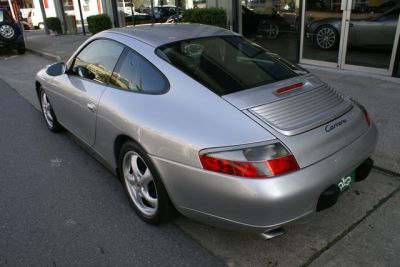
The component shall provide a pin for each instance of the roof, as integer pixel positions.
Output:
(160, 34)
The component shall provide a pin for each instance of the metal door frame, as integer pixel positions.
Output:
(342, 52)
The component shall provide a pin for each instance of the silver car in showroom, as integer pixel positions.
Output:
(197, 119)
(377, 31)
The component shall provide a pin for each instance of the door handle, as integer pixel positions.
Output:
(91, 107)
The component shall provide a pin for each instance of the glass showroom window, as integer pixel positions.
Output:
(273, 25)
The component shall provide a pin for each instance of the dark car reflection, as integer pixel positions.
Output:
(144, 15)
(265, 25)
(377, 31)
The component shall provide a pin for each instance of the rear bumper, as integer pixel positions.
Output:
(258, 205)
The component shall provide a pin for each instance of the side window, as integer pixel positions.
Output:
(4, 17)
(97, 60)
(134, 73)
(391, 15)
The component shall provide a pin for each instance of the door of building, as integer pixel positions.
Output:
(350, 34)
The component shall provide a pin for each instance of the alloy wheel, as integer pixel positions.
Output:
(7, 31)
(140, 184)
(326, 38)
(272, 31)
(46, 108)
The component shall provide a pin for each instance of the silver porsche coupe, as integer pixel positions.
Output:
(199, 120)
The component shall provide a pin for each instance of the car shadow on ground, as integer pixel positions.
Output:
(8, 53)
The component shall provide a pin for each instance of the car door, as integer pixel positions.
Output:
(379, 32)
(75, 104)
(129, 102)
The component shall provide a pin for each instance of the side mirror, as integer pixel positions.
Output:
(56, 69)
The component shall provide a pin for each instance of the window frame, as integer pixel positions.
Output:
(119, 65)
(72, 62)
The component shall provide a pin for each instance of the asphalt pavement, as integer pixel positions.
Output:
(60, 207)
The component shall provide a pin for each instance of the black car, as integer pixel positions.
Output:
(10, 33)
(162, 13)
(267, 25)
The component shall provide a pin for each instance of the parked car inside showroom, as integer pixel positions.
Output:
(267, 25)
(377, 31)
(197, 119)
(11, 36)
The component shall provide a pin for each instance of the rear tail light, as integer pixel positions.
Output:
(251, 162)
(367, 117)
(364, 110)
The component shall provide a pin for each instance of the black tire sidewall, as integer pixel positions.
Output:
(21, 50)
(14, 27)
(165, 211)
(56, 126)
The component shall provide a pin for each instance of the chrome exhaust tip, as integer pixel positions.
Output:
(272, 233)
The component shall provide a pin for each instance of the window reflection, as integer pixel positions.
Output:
(371, 35)
(136, 74)
(97, 60)
(273, 25)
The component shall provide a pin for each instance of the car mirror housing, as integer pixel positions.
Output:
(56, 69)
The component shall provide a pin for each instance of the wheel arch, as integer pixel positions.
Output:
(120, 140)
(327, 25)
(38, 86)
(118, 143)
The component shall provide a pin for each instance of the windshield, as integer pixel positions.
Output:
(226, 64)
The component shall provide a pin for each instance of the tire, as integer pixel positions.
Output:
(21, 50)
(270, 31)
(143, 186)
(326, 37)
(48, 113)
(8, 31)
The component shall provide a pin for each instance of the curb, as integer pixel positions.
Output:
(45, 54)
(360, 74)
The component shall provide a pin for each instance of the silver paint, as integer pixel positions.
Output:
(174, 127)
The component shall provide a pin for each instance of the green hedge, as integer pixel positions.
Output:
(211, 16)
(54, 24)
(98, 23)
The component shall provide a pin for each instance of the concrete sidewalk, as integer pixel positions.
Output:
(53, 47)
(381, 95)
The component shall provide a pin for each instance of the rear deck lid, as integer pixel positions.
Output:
(292, 106)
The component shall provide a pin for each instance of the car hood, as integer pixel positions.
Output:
(312, 120)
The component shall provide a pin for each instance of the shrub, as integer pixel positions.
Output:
(98, 23)
(211, 16)
(54, 24)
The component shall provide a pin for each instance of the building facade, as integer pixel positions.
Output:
(360, 35)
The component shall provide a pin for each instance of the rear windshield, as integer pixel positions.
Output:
(226, 64)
